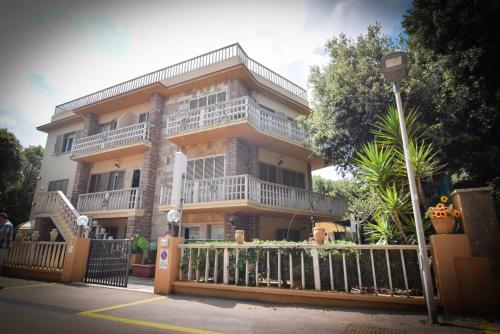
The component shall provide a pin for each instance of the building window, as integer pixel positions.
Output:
(282, 176)
(143, 118)
(109, 126)
(58, 185)
(136, 178)
(207, 100)
(267, 172)
(67, 142)
(106, 181)
(293, 179)
(216, 232)
(206, 168)
(192, 233)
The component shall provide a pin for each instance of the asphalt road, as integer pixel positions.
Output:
(39, 307)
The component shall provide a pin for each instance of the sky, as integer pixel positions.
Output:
(55, 51)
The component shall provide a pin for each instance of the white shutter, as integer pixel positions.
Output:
(58, 145)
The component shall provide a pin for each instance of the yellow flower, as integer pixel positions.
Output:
(440, 205)
(456, 213)
(444, 199)
(431, 210)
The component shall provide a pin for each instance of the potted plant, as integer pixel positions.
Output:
(147, 267)
(138, 243)
(443, 216)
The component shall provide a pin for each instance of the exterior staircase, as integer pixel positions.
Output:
(55, 204)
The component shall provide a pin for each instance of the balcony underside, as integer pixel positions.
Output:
(250, 207)
(114, 153)
(245, 130)
(124, 213)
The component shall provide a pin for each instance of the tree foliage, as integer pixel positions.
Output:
(19, 174)
(349, 94)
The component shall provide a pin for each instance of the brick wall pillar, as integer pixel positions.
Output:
(241, 158)
(82, 173)
(237, 89)
(249, 224)
(142, 225)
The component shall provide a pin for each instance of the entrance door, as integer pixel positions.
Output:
(108, 262)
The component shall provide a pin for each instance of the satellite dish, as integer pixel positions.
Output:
(82, 221)
(173, 216)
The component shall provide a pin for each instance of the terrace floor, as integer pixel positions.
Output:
(40, 307)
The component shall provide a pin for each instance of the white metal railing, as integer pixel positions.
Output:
(242, 108)
(233, 50)
(124, 199)
(111, 139)
(362, 269)
(36, 255)
(54, 204)
(241, 187)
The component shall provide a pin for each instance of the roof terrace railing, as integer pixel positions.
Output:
(181, 68)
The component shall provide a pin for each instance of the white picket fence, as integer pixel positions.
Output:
(347, 268)
(36, 255)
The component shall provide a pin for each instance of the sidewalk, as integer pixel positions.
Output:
(39, 307)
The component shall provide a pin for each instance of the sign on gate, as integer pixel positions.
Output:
(108, 262)
(164, 258)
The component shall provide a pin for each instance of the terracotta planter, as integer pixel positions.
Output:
(143, 270)
(135, 259)
(444, 225)
(239, 236)
(319, 235)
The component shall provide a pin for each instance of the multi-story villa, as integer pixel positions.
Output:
(111, 154)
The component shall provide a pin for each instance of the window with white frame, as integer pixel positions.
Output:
(207, 100)
(67, 142)
(206, 168)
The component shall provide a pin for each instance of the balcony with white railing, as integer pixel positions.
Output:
(239, 117)
(129, 140)
(233, 51)
(247, 192)
(116, 203)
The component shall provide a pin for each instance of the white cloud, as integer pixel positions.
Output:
(76, 48)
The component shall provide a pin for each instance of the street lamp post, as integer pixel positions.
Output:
(394, 68)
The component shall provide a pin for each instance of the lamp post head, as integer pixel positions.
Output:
(394, 66)
(173, 216)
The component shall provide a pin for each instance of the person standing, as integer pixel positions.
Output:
(6, 236)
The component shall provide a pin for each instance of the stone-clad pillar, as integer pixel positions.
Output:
(142, 225)
(82, 173)
(480, 223)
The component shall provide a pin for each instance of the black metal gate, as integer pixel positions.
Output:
(108, 262)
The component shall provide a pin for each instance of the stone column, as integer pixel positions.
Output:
(480, 223)
(82, 173)
(142, 224)
(237, 89)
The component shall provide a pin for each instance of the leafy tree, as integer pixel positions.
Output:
(349, 94)
(361, 199)
(21, 198)
(18, 174)
(12, 163)
(455, 49)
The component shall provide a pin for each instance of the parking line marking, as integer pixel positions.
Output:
(96, 314)
(121, 305)
(487, 328)
(27, 286)
(149, 324)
